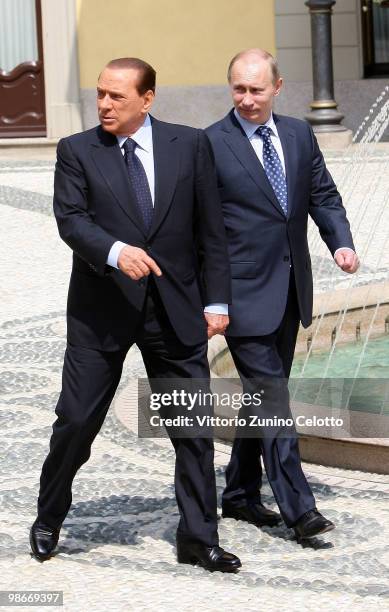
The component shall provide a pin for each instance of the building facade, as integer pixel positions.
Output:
(51, 52)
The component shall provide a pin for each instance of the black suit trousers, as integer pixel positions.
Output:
(89, 381)
(269, 356)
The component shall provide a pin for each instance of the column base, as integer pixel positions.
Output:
(334, 140)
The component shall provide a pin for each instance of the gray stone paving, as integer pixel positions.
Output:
(117, 544)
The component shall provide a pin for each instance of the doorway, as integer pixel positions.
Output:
(375, 34)
(22, 93)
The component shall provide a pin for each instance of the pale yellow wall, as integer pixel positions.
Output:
(188, 42)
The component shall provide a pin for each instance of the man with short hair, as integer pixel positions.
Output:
(136, 200)
(271, 176)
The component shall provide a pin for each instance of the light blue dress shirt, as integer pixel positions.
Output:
(257, 142)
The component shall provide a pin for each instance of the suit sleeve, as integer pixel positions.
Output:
(75, 223)
(326, 207)
(210, 232)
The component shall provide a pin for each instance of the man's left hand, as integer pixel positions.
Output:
(347, 260)
(217, 323)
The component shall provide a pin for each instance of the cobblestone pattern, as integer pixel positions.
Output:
(117, 544)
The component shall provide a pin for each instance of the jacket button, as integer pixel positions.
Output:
(141, 282)
(286, 258)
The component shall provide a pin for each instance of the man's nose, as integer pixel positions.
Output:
(247, 100)
(105, 102)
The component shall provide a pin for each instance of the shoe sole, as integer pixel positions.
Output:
(313, 535)
(274, 523)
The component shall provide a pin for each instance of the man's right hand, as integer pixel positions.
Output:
(136, 263)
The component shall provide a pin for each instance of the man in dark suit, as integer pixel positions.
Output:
(271, 176)
(136, 200)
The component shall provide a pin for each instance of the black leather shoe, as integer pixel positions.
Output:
(311, 524)
(257, 514)
(43, 540)
(212, 558)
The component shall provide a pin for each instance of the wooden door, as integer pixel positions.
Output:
(22, 93)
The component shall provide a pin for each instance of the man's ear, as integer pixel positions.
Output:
(278, 86)
(148, 100)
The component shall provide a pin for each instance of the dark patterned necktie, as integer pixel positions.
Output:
(139, 182)
(273, 167)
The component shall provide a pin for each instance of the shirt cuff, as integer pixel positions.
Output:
(341, 249)
(221, 309)
(113, 255)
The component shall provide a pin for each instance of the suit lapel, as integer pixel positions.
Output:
(166, 165)
(109, 161)
(240, 145)
(289, 147)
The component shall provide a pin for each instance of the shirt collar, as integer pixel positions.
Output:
(250, 128)
(143, 136)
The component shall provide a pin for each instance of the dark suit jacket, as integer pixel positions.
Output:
(94, 206)
(262, 241)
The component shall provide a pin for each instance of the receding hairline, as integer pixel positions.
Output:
(118, 69)
(146, 73)
(126, 62)
(256, 54)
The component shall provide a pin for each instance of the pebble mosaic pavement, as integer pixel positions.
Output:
(116, 547)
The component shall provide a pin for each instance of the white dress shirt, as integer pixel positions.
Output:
(257, 144)
(144, 150)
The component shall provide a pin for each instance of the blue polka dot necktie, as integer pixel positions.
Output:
(273, 168)
(139, 182)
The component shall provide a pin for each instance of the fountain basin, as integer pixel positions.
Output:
(365, 444)
(362, 313)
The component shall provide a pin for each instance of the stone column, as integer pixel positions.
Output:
(324, 116)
